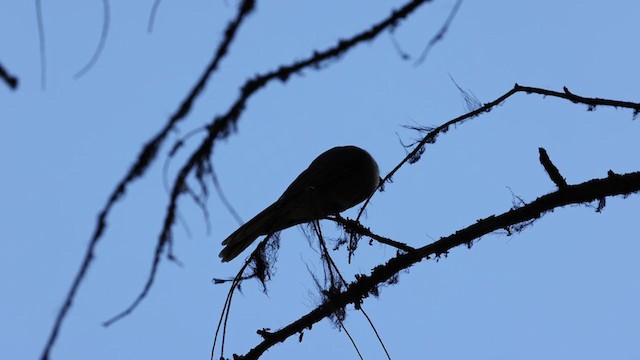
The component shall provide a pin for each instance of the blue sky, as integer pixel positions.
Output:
(565, 288)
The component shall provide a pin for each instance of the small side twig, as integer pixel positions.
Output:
(11, 80)
(552, 170)
(356, 227)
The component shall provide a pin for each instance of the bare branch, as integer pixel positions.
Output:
(11, 80)
(145, 158)
(440, 34)
(364, 285)
(414, 155)
(355, 227)
(152, 15)
(552, 170)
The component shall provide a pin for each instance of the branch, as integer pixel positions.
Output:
(439, 36)
(353, 226)
(585, 192)
(144, 160)
(42, 45)
(152, 15)
(223, 125)
(432, 134)
(11, 80)
(552, 170)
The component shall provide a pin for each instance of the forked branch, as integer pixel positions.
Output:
(359, 289)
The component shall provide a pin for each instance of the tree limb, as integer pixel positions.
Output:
(433, 133)
(364, 285)
(353, 226)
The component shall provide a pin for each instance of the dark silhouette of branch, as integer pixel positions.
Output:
(552, 170)
(223, 125)
(352, 226)
(106, 19)
(364, 285)
(431, 136)
(11, 80)
(145, 158)
(440, 34)
(432, 133)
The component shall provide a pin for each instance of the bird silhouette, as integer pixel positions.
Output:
(335, 181)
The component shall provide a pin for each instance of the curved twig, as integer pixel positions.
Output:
(42, 45)
(440, 34)
(11, 80)
(106, 19)
(356, 227)
(152, 15)
(331, 264)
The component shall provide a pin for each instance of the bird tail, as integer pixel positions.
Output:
(262, 224)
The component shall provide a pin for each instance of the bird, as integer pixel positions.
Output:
(338, 179)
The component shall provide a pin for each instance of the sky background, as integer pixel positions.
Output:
(565, 288)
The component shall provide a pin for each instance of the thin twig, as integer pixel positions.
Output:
(353, 343)
(227, 204)
(106, 19)
(359, 307)
(355, 226)
(11, 80)
(224, 314)
(152, 15)
(375, 331)
(42, 45)
(430, 137)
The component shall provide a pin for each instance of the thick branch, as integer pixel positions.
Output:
(358, 290)
(353, 226)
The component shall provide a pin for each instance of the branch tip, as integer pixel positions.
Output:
(552, 170)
